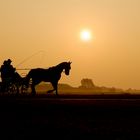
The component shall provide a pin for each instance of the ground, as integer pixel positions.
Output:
(99, 117)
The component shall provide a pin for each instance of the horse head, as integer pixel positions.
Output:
(67, 67)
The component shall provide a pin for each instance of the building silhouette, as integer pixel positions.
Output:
(87, 83)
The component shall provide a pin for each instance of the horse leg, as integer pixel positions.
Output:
(49, 91)
(33, 89)
(54, 84)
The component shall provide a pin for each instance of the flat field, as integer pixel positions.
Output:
(115, 117)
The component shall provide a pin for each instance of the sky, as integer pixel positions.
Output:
(44, 33)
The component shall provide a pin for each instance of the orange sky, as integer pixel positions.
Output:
(52, 27)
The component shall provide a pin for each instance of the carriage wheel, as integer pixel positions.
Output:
(12, 89)
(24, 89)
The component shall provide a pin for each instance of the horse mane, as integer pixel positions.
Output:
(50, 68)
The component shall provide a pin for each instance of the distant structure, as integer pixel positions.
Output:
(87, 83)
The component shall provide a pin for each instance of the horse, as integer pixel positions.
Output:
(51, 74)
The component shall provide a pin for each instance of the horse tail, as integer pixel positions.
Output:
(27, 78)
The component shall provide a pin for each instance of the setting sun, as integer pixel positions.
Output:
(85, 35)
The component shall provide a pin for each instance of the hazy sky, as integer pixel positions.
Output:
(50, 31)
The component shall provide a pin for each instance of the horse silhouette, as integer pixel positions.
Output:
(52, 75)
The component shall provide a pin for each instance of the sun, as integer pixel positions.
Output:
(85, 35)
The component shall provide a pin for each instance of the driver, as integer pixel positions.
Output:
(8, 72)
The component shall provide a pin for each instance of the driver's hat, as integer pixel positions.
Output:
(9, 60)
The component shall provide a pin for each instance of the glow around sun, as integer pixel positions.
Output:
(85, 35)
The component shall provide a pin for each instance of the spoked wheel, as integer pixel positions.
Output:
(24, 89)
(12, 89)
